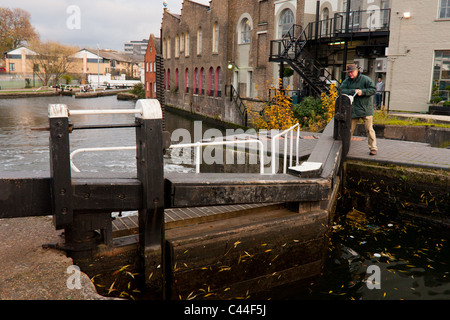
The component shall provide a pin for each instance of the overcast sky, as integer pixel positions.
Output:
(108, 23)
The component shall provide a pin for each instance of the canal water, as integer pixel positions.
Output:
(25, 149)
(369, 257)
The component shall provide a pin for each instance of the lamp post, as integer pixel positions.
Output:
(98, 66)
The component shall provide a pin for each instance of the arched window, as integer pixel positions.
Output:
(211, 83)
(182, 42)
(215, 41)
(165, 48)
(168, 80)
(187, 44)
(218, 92)
(177, 46)
(176, 79)
(202, 75)
(246, 29)
(286, 22)
(186, 81)
(199, 41)
(168, 54)
(326, 21)
(196, 83)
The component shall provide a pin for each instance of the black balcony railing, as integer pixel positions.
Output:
(358, 21)
(362, 21)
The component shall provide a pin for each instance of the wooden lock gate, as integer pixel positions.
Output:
(82, 206)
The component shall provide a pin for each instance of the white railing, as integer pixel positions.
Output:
(199, 145)
(74, 153)
(105, 111)
(291, 153)
(196, 145)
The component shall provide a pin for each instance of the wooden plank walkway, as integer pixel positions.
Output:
(176, 217)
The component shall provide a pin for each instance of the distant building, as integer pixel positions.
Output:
(19, 61)
(404, 42)
(153, 49)
(136, 47)
(90, 62)
(214, 55)
(419, 53)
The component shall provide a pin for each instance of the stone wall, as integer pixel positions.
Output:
(250, 73)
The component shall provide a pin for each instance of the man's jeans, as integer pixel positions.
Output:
(368, 124)
(378, 99)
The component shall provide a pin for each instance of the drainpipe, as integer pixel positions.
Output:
(316, 54)
(347, 27)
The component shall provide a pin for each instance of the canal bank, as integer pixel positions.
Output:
(368, 186)
(16, 94)
(415, 192)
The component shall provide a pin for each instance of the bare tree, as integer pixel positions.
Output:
(15, 28)
(52, 60)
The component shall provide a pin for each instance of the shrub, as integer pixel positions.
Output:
(316, 113)
(138, 90)
(277, 115)
(309, 108)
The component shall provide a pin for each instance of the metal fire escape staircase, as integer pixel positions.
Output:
(293, 49)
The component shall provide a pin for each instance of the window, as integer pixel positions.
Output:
(165, 49)
(186, 80)
(245, 31)
(202, 75)
(196, 81)
(186, 49)
(211, 84)
(444, 9)
(385, 13)
(176, 79)
(182, 42)
(168, 80)
(286, 22)
(218, 92)
(441, 72)
(199, 41)
(354, 15)
(12, 67)
(215, 44)
(326, 21)
(168, 48)
(177, 46)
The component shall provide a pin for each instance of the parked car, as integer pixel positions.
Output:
(2, 69)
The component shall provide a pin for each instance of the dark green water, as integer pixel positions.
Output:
(407, 260)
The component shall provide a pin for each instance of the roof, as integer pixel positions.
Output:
(20, 50)
(106, 54)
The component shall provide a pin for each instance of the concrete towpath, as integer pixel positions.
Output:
(30, 272)
(398, 152)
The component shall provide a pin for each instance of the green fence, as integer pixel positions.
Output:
(6, 84)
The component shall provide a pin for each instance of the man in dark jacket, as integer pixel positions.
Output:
(363, 88)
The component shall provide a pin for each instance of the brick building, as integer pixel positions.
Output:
(153, 49)
(208, 50)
